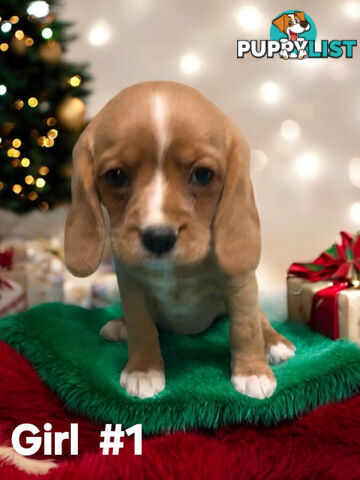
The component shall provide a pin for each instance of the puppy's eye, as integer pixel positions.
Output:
(290, 22)
(117, 177)
(201, 176)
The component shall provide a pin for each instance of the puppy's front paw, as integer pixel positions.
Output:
(279, 352)
(114, 330)
(255, 385)
(142, 384)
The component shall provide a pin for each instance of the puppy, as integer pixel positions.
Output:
(292, 25)
(172, 171)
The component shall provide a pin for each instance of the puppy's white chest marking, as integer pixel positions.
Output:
(185, 304)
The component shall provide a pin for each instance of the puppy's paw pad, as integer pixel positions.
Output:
(279, 353)
(255, 386)
(143, 384)
(114, 330)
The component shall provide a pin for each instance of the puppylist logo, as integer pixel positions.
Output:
(292, 36)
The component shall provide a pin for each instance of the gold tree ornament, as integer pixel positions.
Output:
(71, 113)
(50, 52)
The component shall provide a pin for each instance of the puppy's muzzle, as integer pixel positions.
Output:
(158, 239)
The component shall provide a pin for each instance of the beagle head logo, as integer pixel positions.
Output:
(293, 24)
(296, 27)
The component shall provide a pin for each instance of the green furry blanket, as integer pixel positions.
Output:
(63, 344)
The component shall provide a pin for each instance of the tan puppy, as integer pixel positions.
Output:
(172, 170)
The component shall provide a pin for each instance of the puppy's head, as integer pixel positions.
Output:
(292, 24)
(173, 173)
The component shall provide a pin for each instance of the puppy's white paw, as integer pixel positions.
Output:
(279, 353)
(255, 386)
(114, 330)
(142, 384)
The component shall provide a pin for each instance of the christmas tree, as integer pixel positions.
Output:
(41, 105)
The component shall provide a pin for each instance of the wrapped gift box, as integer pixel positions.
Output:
(12, 297)
(45, 278)
(325, 293)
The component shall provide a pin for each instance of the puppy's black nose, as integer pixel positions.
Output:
(304, 23)
(158, 239)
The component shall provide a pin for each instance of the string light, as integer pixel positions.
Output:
(6, 27)
(33, 102)
(19, 34)
(2, 185)
(354, 171)
(14, 19)
(16, 143)
(25, 162)
(46, 33)
(190, 64)
(29, 42)
(44, 206)
(270, 92)
(99, 34)
(15, 163)
(4, 47)
(51, 121)
(32, 196)
(16, 188)
(49, 142)
(29, 179)
(43, 170)
(3, 89)
(40, 183)
(290, 130)
(52, 133)
(307, 166)
(38, 9)
(18, 104)
(41, 141)
(75, 81)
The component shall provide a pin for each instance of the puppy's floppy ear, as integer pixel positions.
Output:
(279, 23)
(301, 15)
(85, 227)
(236, 223)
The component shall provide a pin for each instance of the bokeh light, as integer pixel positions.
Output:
(290, 130)
(270, 92)
(307, 166)
(354, 171)
(190, 64)
(352, 10)
(259, 160)
(249, 18)
(354, 213)
(38, 9)
(99, 34)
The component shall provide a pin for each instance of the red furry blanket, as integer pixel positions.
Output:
(325, 444)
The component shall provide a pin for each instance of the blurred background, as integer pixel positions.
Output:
(301, 117)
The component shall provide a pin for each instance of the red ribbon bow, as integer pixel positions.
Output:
(340, 264)
(6, 260)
